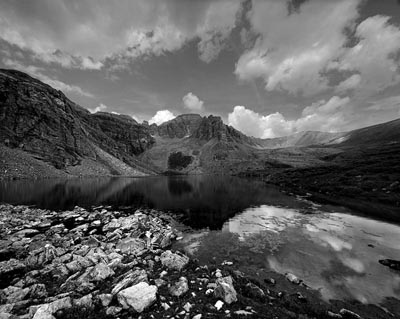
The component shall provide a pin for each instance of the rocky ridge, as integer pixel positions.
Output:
(107, 264)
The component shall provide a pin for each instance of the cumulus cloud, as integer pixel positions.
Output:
(374, 56)
(87, 34)
(99, 108)
(38, 73)
(292, 50)
(295, 52)
(327, 116)
(161, 117)
(192, 102)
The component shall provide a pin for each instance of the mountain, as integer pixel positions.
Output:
(43, 134)
(43, 123)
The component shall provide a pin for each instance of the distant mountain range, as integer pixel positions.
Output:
(42, 132)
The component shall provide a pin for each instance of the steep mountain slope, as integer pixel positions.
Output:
(301, 139)
(384, 133)
(42, 122)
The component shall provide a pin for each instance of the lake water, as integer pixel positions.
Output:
(246, 222)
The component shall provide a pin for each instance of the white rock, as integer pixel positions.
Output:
(218, 305)
(292, 278)
(138, 297)
(225, 290)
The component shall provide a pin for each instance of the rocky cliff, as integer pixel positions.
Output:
(44, 123)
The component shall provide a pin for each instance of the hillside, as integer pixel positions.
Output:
(45, 126)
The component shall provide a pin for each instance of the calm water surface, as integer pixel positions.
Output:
(243, 220)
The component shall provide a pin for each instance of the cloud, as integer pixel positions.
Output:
(374, 55)
(350, 83)
(192, 102)
(254, 124)
(99, 108)
(295, 52)
(161, 117)
(87, 34)
(38, 73)
(328, 116)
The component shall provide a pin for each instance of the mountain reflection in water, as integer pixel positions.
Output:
(205, 200)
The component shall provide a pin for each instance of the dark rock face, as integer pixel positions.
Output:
(180, 127)
(40, 120)
(212, 127)
(129, 136)
(45, 123)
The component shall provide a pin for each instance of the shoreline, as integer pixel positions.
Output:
(102, 263)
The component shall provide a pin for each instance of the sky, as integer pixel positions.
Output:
(268, 67)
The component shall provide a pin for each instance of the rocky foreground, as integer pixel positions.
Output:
(108, 264)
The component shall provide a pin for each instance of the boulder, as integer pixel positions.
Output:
(46, 311)
(132, 246)
(173, 260)
(179, 288)
(225, 290)
(100, 272)
(132, 277)
(138, 297)
(10, 266)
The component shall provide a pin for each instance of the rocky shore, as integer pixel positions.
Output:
(102, 263)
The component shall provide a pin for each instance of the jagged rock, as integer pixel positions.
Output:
(41, 256)
(10, 266)
(132, 246)
(46, 311)
(225, 290)
(85, 301)
(105, 299)
(138, 297)
(113, 311)
(14, 294)
(133, 277)
(174, 260)
(37, 291)
(99, 272)
(180, 287)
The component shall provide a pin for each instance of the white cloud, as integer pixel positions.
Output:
(374, 56)
(192, 102)
(99, 108)
(38, 73)
(161, 117)
(88, 34)
(292, 51)
(327, 116)
(254, 124)
(295, 52)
